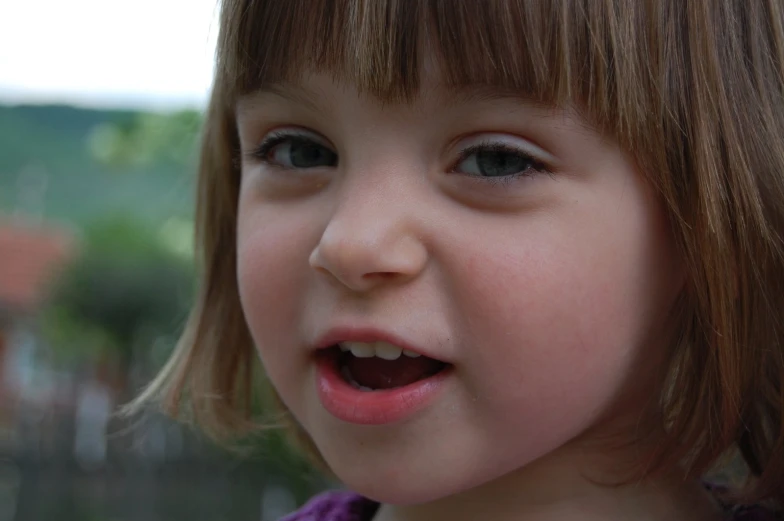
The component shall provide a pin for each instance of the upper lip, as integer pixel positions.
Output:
(337, 335)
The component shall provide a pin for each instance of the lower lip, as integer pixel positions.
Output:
(381, 407)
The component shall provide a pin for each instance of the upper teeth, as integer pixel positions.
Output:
(380, 349)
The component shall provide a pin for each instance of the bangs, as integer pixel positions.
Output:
(588, 52)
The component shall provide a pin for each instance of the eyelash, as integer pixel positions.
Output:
(537, 166)
(262, 150)
(260, 153)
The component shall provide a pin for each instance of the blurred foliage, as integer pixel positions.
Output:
(146, 169)
(126, 291)
(149, 138)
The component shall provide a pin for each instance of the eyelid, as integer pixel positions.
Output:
(511, 140)
(283, 132)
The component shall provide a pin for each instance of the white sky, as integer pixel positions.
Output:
(140, 53)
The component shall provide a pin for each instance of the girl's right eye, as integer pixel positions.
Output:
(294, 151)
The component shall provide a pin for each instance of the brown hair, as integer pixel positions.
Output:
(694, 89)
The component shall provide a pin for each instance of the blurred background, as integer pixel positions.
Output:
(100, 108)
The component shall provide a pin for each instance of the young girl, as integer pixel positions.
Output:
(500, 259)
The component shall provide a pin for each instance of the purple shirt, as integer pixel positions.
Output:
(347, 506)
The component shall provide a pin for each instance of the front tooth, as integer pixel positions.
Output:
(387, 351)
(411, 354)
(361, 349)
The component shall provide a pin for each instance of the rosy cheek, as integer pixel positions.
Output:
(267, 284)
(558, 312)
(270, 318)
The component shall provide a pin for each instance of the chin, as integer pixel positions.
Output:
(403, 481)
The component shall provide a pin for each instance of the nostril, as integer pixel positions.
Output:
(381, 275)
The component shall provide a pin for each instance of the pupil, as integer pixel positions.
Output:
(309, 155)
(495, 163)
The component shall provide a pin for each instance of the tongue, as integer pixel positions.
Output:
(377, 373)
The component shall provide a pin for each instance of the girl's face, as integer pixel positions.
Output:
(509, 240)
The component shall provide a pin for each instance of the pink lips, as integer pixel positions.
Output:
(379, 407)
(382, 407)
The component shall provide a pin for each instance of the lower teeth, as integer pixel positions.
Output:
(345, 374)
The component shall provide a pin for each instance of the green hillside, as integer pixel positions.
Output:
(58, 143)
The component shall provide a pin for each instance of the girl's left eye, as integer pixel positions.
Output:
(497, 160)
(294, 151)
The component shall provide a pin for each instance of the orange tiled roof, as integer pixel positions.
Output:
(29, 255)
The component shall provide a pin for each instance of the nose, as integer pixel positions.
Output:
(370, 242)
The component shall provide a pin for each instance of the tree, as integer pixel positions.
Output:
(125, 293)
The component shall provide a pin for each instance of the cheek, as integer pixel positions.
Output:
(570, 308)
(271, 269)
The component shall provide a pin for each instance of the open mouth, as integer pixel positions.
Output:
(380, 366)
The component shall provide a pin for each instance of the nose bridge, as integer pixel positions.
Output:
(372, 209)
(369, 217)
